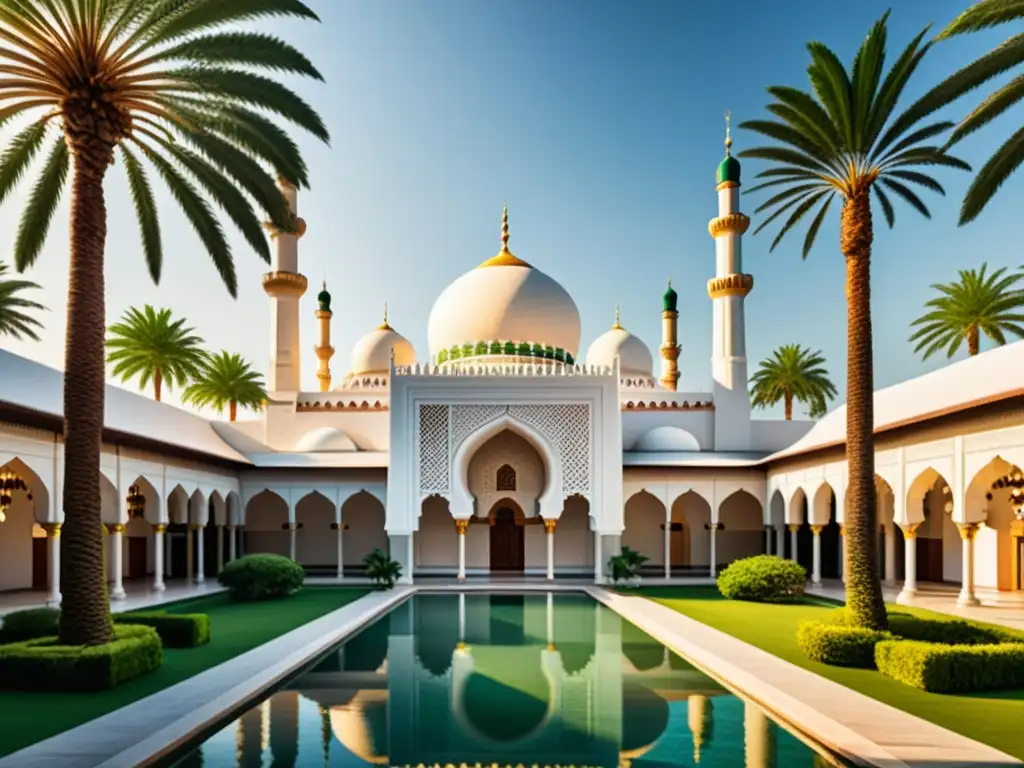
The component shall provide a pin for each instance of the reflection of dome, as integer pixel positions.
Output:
(644, 718)
(372, 353)
(506, 300)
(508, 695)
(362, 726)
(662, 439)
(634, 356)
(325, 439)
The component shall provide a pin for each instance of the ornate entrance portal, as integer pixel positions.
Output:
(508, 542)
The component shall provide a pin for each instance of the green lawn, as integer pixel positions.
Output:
(235, 629)
(995, 718)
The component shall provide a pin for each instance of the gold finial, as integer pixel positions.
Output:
(323, 285)
(728, 130)
(618, 325)
(504, 226)
(384, 326)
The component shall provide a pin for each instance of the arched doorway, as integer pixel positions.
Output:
(508, 537)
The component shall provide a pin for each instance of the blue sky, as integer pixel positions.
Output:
(601, 124)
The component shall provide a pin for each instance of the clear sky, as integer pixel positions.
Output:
(601, 124)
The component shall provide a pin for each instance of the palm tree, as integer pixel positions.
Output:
(227, 379)
(1006, 159)
(977, 304)
(163, 86)
(846, 141)
(14, 321)
(152, 346)
(792, 373)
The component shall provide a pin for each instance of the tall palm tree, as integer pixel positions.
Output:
(1006, 159)
(978, 303)
(792, 373)
(161, 86)
(149, 344)
(844, 140)
(14, 320)
(226, 379)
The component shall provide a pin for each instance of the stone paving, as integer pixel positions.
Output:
(849, 723)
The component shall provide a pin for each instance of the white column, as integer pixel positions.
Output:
(158, 556)
(757, 738)
(220, 548)
(341, 550)
(199, 551)
(714, 552)
(780, 540)
(551, 620)
(890, 554)
(461, 526)
(292, 531)
(53, 552)
(462, 619)
(793, 528)
(232, 543)
(668, 544)
(816, 567)
(549, 531)
(909, 562)
(967, 532)
(117, 560)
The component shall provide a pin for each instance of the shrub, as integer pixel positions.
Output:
(839, 645)
(261, 577)
(176, 630)
(467, 349)
(569, 359)
(495, 348)
(382, 569)
(480, 348)
(442, 357)
(549, 353)
(30, 624)
(952, 668)
(944, 631)
(524, 349)
(559, 354)
(510, 348)
(626, 565)
(454, 353)
(537, 350)
(42, 665)
(765, 578)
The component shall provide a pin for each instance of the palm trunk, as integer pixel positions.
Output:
(232, 410)
(863, 585)
(85, 610)
(972, 340)
(789, 406)
(158, 380)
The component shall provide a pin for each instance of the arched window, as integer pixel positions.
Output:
(506, 479)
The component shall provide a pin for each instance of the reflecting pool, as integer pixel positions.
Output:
(503, 681)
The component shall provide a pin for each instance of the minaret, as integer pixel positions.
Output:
(324, 350)
(285, 286)
(670, 339)
(727, 290)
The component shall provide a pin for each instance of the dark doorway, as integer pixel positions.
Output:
(40, 563)
(831, 552)
(138, 547)
(508, 545)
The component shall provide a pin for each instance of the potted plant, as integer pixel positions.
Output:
(382, 570)
(625, 567)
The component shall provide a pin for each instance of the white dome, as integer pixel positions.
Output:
(666, 439)
(372, 353)
(325, 439)
(634, 356)
(504, 299)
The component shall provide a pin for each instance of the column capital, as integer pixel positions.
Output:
(550, 525)
(114, 527)
(968, 530)
(195, 526)
(461, 526)
(159, 527)
(909, 530)
(793, 527)
(551, 647)
(52, 529)
(817, 529)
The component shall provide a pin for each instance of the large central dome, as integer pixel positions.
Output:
(504, 300)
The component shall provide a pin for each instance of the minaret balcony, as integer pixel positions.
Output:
(730, 285)
(284, 284)
(733, 222)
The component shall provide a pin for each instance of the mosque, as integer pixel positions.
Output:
(502, 450)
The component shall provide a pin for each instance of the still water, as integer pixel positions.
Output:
(503, 681)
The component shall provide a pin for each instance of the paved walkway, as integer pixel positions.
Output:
(185, 710)
(843, 720)
(141, 595)
(936, 597)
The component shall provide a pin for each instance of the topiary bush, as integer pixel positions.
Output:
(29, 624)
(510, 348)
(763, 579)
(945, 631)
(176, 630)
(261, 577)
(839, 645)
(42, 665)
(941, 668)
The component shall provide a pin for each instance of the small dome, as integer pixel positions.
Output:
(323, 299)
(666, 440)
(634, 356)
(670, 301)
(372, 353)
(728, 170)
(362, 726)
(325, 439)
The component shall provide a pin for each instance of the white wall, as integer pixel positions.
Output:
(363, 517)
(645, 516)
(316, 543)
(743, 534)
(700, 424)
(771, 435)
(436, 541)
(574, 541)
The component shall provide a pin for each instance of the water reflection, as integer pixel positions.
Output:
(502, 680)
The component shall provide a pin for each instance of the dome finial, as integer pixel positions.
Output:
(728, 131)
(384, 326)
(504, 226)
(618, 317)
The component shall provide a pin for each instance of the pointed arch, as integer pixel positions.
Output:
(218, 511)
(795, 507)
(234, 508)
(316, 544)
(178, 505)
(37, 495)
(819, 507)
(644, 530)
(363, 516)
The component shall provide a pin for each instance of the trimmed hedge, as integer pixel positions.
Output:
(952, 668)
(176, 630)
(261, 577)
(29, 624)
(42, 665)
(764, 578)
(944, 631)
(839, 645)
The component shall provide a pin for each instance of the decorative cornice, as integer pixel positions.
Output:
(909, 530)
(968, 530)
(654, 405)
(274, 230)
(324, 353)
(461, 526)
(733, 222)
(324, 314)
(284, 284)
(730, 285)
(351, 405)
(669, 351)
(550, 525)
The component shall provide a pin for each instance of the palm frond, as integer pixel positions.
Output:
(907, 194)
(145, 211)
(989, 109)
(886, 203)
(797, 215)
(812, 231)
(19, 154)
(15, 321)
(249, 48)
(992, 175)
(41, 205)
(984, 14)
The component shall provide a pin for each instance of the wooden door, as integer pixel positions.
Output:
(40, 563)
(508, 550)
(137, 549)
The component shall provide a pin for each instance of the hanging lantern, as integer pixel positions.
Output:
(136, 502)
(9, 483)
(1013, 482)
